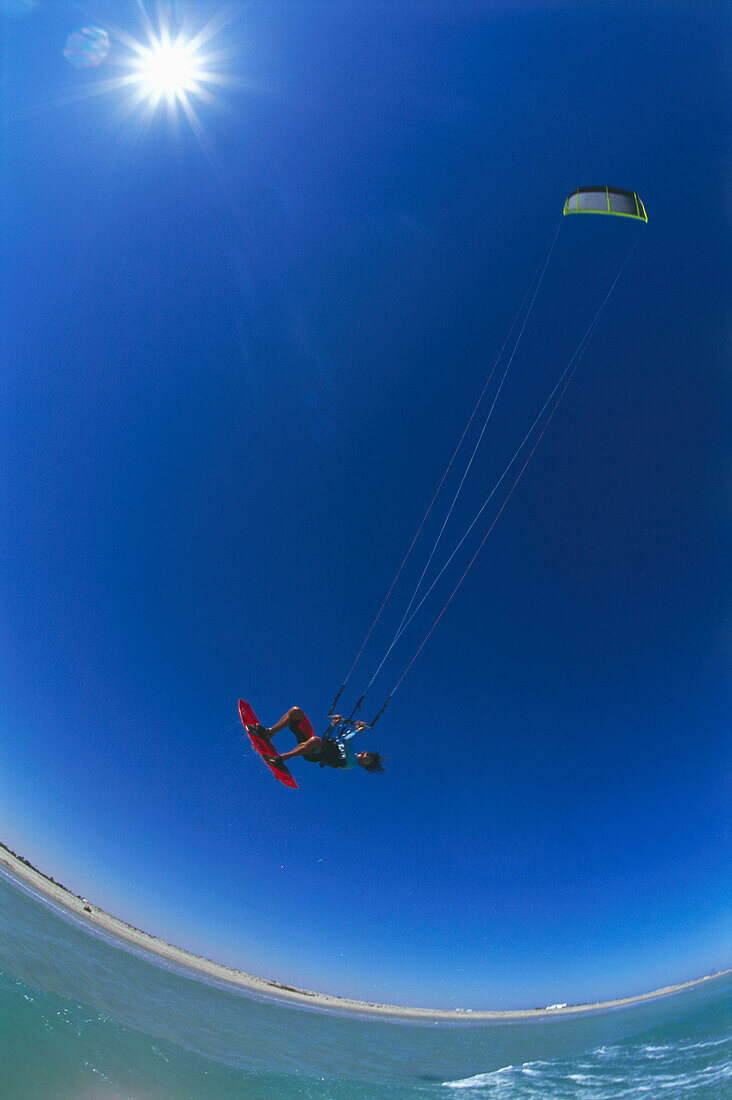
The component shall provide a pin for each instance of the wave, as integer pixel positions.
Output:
(657, 1071)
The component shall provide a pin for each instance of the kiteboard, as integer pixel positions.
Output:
(263, 746)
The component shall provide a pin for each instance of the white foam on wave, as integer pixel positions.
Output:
(478, 1081)
(656, 1053)
(499, 1081)
(605, 1052)
(650, 1070)
(706, 1044)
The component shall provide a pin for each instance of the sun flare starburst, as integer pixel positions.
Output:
(177, 67)
(170, 63)
(170, 68)
(173, 69)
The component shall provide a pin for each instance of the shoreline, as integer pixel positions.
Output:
(88, 912)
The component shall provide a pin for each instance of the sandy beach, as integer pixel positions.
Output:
(158, 949)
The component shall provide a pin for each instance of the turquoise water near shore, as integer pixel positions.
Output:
(85, 1018)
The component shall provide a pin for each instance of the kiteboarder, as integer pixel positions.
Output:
(333, 749)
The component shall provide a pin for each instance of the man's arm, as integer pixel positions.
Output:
(357, 729)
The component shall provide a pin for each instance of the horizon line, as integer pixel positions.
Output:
(159, 952)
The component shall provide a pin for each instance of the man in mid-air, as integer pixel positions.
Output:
(334, 749)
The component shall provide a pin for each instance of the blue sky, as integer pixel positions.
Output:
(237, 358)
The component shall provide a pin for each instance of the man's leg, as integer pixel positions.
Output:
(293, 720)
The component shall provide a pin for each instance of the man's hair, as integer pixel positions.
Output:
(373, 762)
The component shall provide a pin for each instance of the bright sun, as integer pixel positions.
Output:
(174, 66)
(177, 67)
(169, 69)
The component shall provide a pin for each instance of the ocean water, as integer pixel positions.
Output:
(84, 1018)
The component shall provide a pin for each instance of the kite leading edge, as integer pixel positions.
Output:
(606, 200)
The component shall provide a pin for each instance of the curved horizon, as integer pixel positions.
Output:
(107, 924)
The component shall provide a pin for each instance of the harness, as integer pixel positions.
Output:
(332, 755)
(332, 747)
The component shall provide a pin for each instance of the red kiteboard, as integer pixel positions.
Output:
(263, 746)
